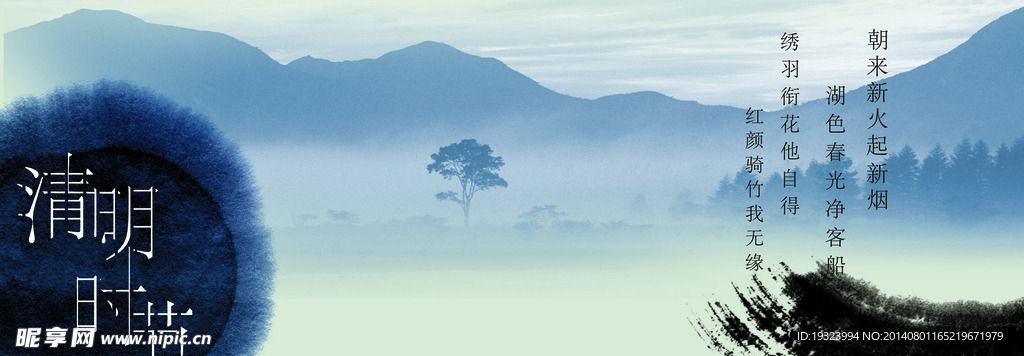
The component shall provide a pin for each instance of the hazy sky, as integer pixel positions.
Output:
(715, 52)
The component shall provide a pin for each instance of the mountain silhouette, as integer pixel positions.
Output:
(435, 78)
(973, 91)
(232, 82)
(431, 68)
(428, 87)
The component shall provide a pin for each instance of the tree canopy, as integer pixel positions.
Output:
(474, 167)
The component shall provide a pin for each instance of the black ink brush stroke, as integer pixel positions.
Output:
(821, 301)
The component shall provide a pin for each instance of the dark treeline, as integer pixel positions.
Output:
(970, 183)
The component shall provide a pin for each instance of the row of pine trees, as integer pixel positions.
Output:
(971, 182)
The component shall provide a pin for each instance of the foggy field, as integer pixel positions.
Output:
(414, 289)
(408, 260)
(485, 290)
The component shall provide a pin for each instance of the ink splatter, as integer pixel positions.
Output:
(211, 254)
(806, 310)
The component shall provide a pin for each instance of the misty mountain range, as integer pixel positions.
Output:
(428, 86)
(974, 91)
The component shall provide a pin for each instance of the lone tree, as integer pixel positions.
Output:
(473, 165)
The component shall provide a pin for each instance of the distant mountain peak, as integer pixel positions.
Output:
(426, 50)
(309, 59)
(434, 45)
(641, 94)
(103, 16)
(646, 95)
